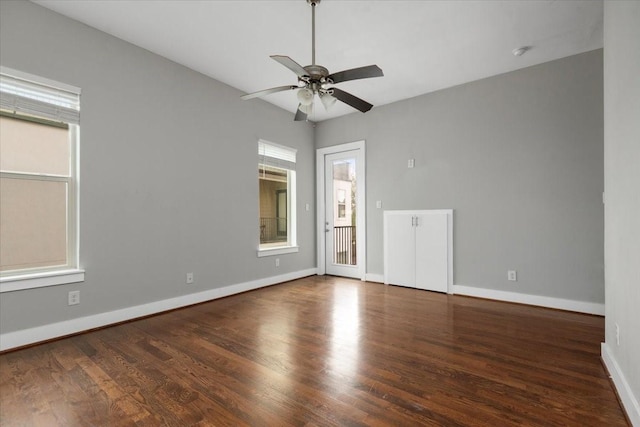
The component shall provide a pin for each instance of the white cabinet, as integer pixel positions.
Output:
(418, 249)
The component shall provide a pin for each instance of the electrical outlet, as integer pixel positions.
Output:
(411, 163)
(617, 334)
(277, 262)
(512, 276)
(378, 204)
(189, 278)
(74, 298)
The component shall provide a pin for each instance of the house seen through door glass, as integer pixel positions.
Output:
(344, 212)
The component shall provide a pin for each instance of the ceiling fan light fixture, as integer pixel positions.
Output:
(307, 109)
(327, 100)
(305, 96)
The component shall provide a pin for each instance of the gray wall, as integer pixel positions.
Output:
(174, 189)
(622, 186)
(518, 156)
(168, 171)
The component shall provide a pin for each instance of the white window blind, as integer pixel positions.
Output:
(55, 102)
(275, 155)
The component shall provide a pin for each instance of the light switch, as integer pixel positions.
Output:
(378, 204)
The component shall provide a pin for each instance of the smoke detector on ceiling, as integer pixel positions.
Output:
(520, 51)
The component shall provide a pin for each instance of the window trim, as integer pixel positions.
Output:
(71, 272)
(280, 250)
(41, 279)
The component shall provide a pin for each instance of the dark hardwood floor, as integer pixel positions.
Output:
(321, 351)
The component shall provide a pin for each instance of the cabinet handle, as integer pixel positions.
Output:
(413, 219)
(417, 221)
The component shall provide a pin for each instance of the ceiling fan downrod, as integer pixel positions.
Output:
(313, 4)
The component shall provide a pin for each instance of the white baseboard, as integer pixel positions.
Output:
(377, 278)
(629, 401)
(46, 332)
(549, 302)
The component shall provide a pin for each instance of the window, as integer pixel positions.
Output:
(277, 181)
(38, 179)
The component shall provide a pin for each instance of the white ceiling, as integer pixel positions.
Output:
(421, 46)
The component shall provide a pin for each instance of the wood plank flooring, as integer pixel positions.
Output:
(321, 351)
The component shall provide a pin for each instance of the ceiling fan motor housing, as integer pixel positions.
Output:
(317, 76)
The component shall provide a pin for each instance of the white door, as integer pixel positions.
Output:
(418, 249)
(431, 251)
(399, 249)
(341, 214)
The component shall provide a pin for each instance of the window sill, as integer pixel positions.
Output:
(40, 280)
(277, 251)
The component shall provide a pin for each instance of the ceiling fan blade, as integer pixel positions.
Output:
(300, 115)
(356, 73)
(351, 100)
(267, 92)
(290, 64)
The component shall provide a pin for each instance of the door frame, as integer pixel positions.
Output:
(361, 213)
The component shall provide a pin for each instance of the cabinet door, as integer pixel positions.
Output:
(432, 252)
(400, 247)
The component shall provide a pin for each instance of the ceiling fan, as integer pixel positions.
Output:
(315, 80)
